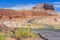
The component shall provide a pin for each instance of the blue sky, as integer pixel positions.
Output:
(27, 4)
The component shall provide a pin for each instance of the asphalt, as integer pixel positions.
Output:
(48, 34)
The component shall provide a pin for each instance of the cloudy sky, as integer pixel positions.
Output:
(27, 4)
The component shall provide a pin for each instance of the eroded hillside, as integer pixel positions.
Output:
(20, 18)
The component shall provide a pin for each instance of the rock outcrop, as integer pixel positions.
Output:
(18, 17)
(4, 28)
(43, 7)
(22, 14)
(38, 10)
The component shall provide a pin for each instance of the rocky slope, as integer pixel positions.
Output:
(44, 10)
(19, 18)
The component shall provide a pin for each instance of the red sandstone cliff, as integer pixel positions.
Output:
(37, 11)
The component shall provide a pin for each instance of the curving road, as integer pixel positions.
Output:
(48, 34)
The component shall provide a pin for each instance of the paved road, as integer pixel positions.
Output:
(49, 34)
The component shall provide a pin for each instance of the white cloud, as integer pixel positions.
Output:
(56, 4)
(18, 7)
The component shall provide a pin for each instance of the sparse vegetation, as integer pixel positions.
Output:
(2, 36)
(24, 32)
(19, 34)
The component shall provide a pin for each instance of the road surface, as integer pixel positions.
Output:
(48, 34)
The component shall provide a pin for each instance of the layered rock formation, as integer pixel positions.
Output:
(43, 7)
(18, 17)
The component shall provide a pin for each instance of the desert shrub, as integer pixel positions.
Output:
(2, 36)
(53, 27)
(56, 26)
(24, 32)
